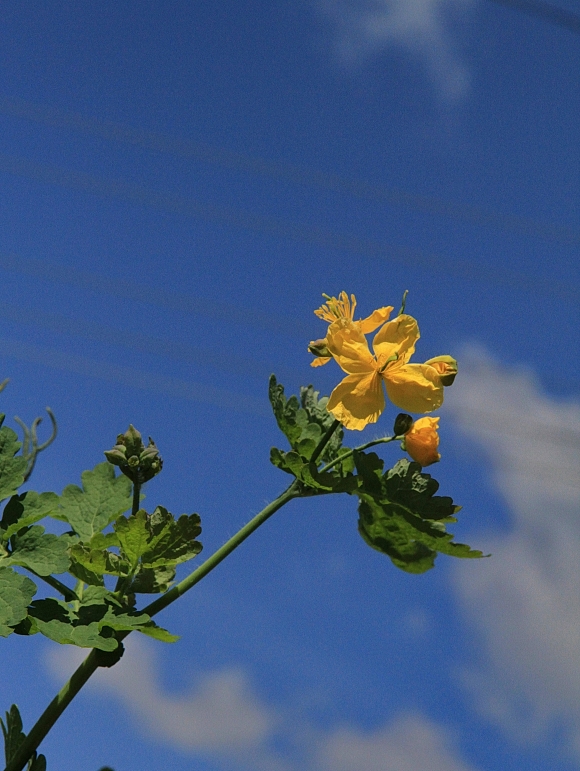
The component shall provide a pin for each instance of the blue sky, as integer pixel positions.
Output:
(178, 185)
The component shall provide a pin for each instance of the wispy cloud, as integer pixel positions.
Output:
(421, 27)
(223, 718)
(525, 600)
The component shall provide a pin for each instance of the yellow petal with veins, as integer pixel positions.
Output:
(349, 346)
(320, 361)
(414, 387)
(375, 320)
(357, 401)
(396, 337)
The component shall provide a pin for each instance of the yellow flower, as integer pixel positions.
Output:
(359, 400)
(342, 309)
(422, 441)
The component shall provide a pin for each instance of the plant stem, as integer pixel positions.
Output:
(324, 441)
(52, 713)
(348, 453)
(69, 594)
(61, 701)
(193, 578)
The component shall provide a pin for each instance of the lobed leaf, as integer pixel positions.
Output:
(13, 738)
(43, 553)
(400, 516)
(101, 500)
(304, 421)
(12, 468)
(24, 510)
(16, 592)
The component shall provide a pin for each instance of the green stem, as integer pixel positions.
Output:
(52, 713)
(193, 578)
(324, 441)
(348, 453)
(61, 701)
(136, 497)
(68, 593)
(124, 581)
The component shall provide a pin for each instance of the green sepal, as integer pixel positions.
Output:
(16, 592)
(24, 510)
(43, 553)
(101, 500)
(12, 467)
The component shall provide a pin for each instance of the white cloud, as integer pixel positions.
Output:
(525, 600)
(410, 743)
(421, 27)
(224, 719)
(220, 715)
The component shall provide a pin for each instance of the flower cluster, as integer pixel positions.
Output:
(359, 398)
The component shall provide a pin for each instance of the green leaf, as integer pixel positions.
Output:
(97, 561)
(158, 633)
(57, 621)
(103, 498)
(290, 418)
(134, 535)
(304, 422)
(13, 738)
(400, 516)
(13, 733)
(24, 510)
(315, 408)
(12, 469)
(158, 540)
(44, 553)
(153, 580)
(37, 763)
(16, 592)
(405, 483)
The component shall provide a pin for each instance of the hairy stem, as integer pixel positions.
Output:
(218, 556)
(61, 701)
(348, 453)
(324, 441)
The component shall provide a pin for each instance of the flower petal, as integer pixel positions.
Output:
(414, 387)
(375, 320)
(396, 337)
(349, 346)
(357, 400)
(320, 360)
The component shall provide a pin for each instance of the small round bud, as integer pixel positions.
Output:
(403, 423)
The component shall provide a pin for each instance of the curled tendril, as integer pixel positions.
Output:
(30, 444)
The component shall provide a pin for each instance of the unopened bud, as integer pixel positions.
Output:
(446, 366)
(319, 348)
(403, 423)
(422, 441)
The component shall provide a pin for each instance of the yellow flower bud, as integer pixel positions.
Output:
(422, 441)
